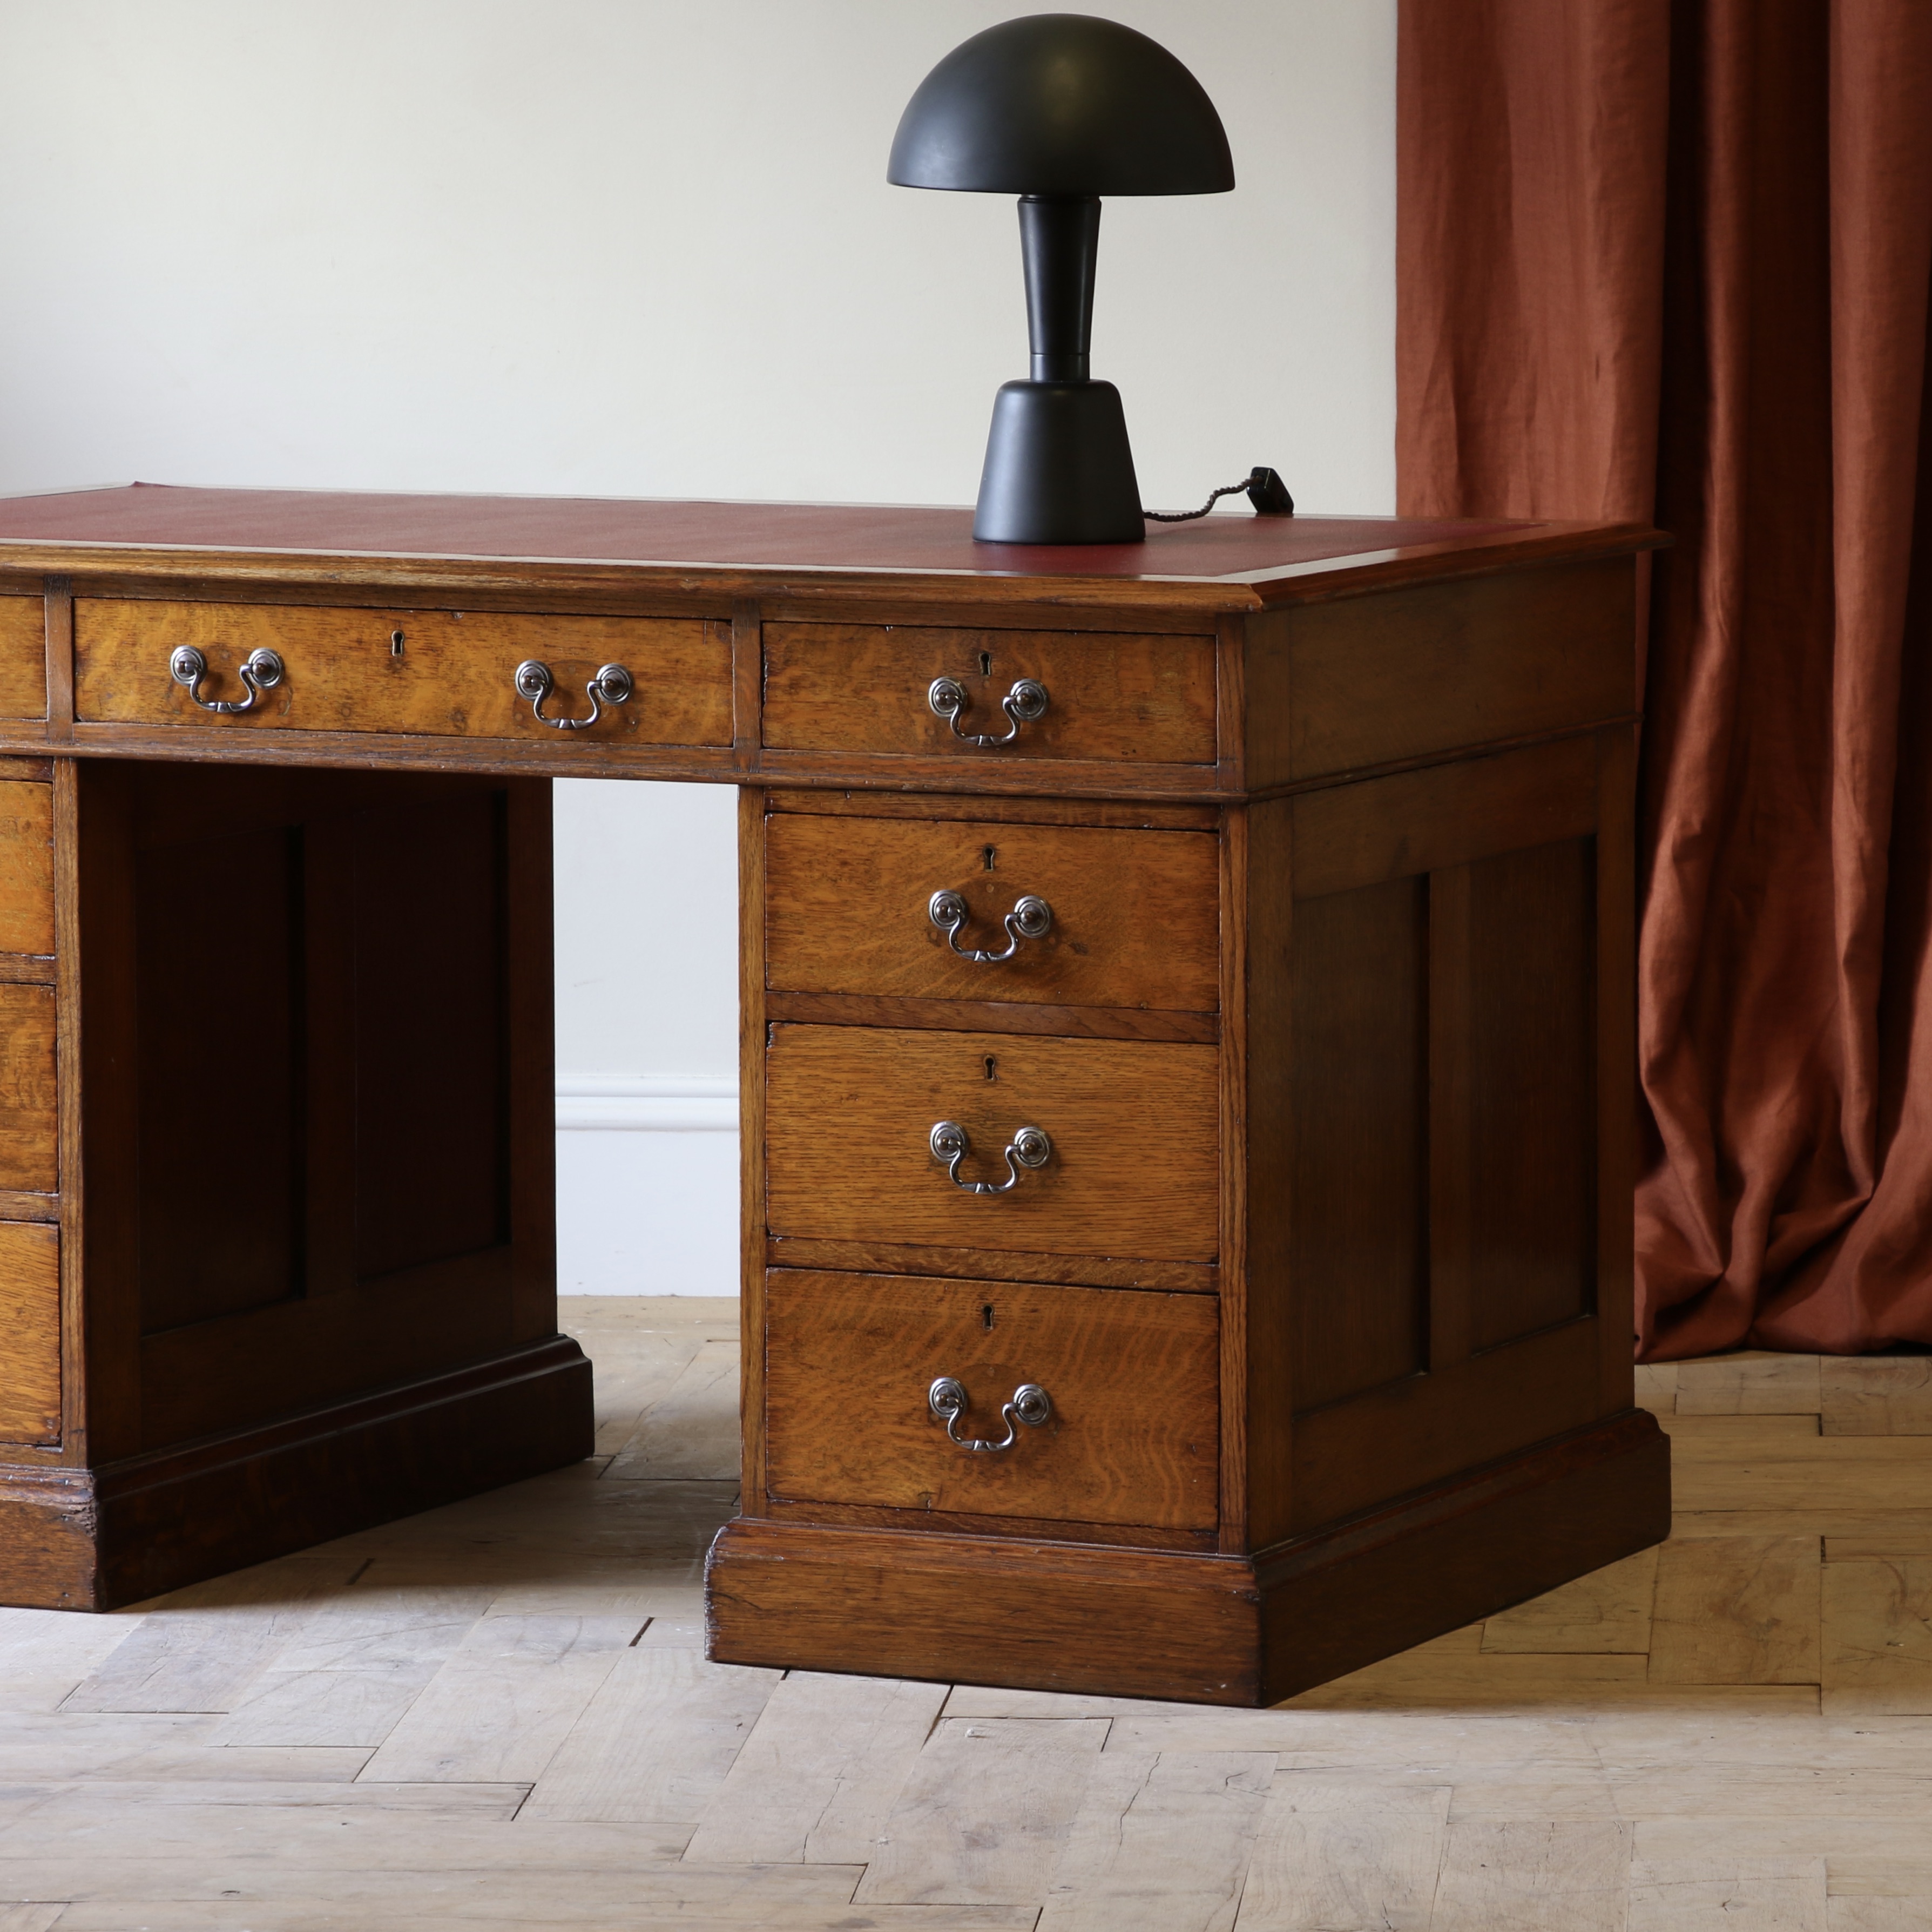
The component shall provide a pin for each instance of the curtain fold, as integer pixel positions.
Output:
(1670, 259)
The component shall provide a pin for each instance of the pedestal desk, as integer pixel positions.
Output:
(1187, 1066)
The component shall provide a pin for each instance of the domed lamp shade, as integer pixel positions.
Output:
(1060, 109)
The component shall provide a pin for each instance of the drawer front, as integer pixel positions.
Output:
(452, 675)
(1133, 1125)
(1109, 694)
(26, 867)
(1132, 1430)
(30, 1381)
(23, 658)
(1134, 914)
(28, 1164)
(1412, 673)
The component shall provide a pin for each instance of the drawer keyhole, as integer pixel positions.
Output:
(992, 1068)
(985, 664)
(986, 1314)
(395, 643)
(988, 854)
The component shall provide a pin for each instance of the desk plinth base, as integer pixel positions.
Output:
(1212, 1630)
(93, 1539)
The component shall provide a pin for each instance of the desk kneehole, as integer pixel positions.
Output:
(626, 680)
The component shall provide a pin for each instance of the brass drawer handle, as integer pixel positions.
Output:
(1025, 702)
(261, 670)
(1028, 1147)
(947, 1399)
(611, 685)
(1029, 919)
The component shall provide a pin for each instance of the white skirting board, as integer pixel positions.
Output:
(646, 1185)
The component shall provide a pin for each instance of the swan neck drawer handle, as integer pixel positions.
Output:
(260, 671)
(950, 1144)
(1029, 919)
(612, 685)
(947, 1399)
(1024, 703)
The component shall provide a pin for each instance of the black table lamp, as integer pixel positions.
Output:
(1060, 109)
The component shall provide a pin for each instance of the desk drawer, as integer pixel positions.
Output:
(1133, 915)
(1130, 1434)
(439, 673)
(1111, 695)
(23, 657)
(1132, 1125)
(29, 1158)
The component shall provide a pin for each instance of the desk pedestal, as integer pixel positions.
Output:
(277, 1132)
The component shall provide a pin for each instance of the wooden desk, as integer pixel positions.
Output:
(1306, 847)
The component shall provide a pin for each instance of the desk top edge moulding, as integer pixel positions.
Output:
(1228, 562)
(1187, 1058)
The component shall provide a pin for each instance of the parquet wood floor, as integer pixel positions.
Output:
(497, 1715)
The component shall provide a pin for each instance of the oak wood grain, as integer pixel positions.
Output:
(1743, 1611)
(1451, 1299)
(1160, 1844)
(1613, 1053)
(57, 660)
(395, 1222)
(1331, 1851)
(1264, 884)
(979, 1015)
(1118, 814)
(1134, 913)
(996, 1264)
(816, 1777)
(1339, 687)
(181, 1513)
(30, 1350)
(70, 1065)
(1347, 837)
(451, 676)
(1134, 1433)
(1023, 1782)
(29, 1143)
(23, 669)
(1134, 1169)
(1237, 1152)
(655, 1742)
(26, 867)
(1111, 695)
(963, 1523)
(1450, 1553)
(1386, 1440)
(752, 1216)
(546, 1669)
(1041, 1616)
(1533, 1042)
(1358, 1086)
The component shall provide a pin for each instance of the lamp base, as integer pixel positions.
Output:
(1059, 470)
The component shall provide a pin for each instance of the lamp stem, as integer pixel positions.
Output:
(1060, 237)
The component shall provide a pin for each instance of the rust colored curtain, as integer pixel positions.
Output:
(1668, 260)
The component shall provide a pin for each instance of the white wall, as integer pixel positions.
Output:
(645, 247)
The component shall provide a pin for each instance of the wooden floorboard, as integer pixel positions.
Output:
(499, 1715)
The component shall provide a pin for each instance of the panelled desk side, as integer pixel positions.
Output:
(1326, 1268)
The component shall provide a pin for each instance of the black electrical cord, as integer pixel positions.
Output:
(1266, 491)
